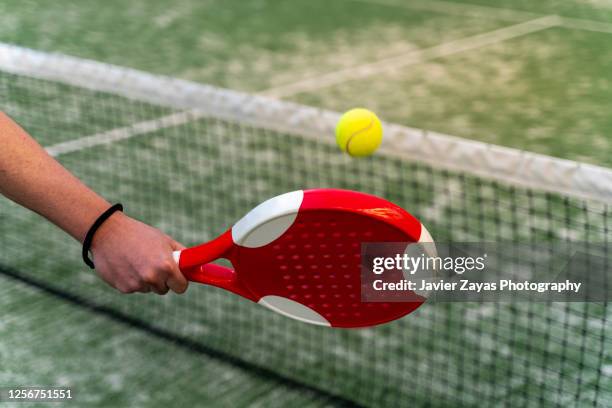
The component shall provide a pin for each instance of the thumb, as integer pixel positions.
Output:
(176, 246)
(176, 280)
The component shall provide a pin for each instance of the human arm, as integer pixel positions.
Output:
(129, 255)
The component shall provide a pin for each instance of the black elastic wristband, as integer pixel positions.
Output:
(92, 231)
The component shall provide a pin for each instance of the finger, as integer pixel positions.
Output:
(160, 290)
(175, 245)
(177, 284)
(145, 289)
(118, 280)
(157, 283)
(156, 279)
(176, 281)
(159, 286)
(136, 285)
(128, 286)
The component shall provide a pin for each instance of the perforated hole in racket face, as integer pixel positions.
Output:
(312, 272)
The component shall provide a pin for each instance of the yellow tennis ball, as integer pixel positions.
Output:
(359, 132)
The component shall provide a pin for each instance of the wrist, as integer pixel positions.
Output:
(102, 226)
(108, 229)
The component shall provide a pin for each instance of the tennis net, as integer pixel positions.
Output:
(191, 159)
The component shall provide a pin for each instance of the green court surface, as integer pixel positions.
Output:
(534, 92)
(544, 87)
(42, 333)
(193, 180)
(597, 10)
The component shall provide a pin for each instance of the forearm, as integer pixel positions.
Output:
(33, 179)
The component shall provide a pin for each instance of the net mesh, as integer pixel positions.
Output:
(199, 172)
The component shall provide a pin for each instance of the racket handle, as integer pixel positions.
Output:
(207, 252)
(219, 276)
(207, 273)
(195, 264)
(211, 274)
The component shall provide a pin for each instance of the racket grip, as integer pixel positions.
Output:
(205, 253)
(176, 255)
(210, 274)
(215, 275)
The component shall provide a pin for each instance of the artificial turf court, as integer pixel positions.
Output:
(546, 90)
(520, 80)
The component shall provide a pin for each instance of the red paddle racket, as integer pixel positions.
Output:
(299, 255)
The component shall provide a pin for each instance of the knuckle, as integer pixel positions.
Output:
(150, 277)
(167, 265)
(135, 285)
(126, 289)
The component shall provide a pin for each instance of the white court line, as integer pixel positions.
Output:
(473, 10)
(322, 81)
(537, 23)
(122, 133)
(457, 9)
(587, 25)
(414, 57)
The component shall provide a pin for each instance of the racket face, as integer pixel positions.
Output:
(300, 255)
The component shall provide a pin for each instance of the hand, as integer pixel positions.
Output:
(135, 257)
